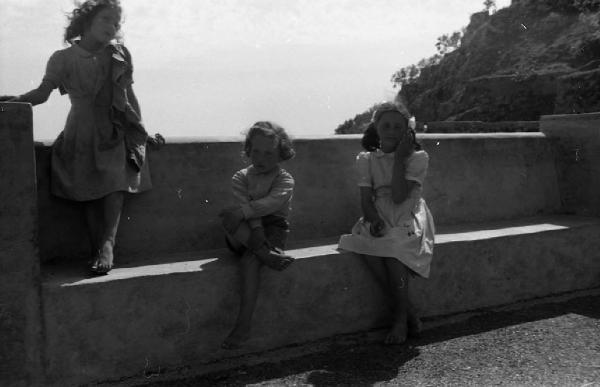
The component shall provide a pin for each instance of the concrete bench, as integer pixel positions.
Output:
(175, 310)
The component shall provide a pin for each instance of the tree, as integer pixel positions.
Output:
(409, 74)
(448, 43)
(445, 45)
(490, 6)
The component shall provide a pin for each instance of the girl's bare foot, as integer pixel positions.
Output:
(94, 262)
(397, 334)
(237, 337)
(274, 259)
(104, 261)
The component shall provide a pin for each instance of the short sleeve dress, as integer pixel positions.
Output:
(89, 157)
(409, 229)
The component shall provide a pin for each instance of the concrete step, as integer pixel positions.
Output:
(176, 310)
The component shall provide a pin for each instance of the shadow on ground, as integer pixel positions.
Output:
(367, 364)
(585, 306)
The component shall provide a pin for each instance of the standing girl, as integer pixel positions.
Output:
(257, 227)
(395, 236)
(100, 154)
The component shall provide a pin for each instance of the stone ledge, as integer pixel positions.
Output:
(571, 117)
(177, 313)
(66, 275)
(47, 143)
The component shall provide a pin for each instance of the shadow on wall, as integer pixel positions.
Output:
(183, 315)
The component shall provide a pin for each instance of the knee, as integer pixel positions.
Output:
(227, 227)
(233, 245)
(230, 228)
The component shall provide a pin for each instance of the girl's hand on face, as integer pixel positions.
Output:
(404, 146)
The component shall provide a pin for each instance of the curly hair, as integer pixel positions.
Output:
(84, 13)
(370, 139)
(272, 130)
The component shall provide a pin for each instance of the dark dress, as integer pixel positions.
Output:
(91, 156)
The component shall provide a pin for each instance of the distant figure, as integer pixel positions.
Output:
(257, 227)
(101, 153)
(395, 236)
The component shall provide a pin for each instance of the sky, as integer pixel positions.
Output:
(205, 68)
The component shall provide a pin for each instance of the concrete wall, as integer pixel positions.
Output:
(577, 141)
(19, 262)
(472, 177)
(478, 126)
(167, 316)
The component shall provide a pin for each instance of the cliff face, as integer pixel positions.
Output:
(532, 58)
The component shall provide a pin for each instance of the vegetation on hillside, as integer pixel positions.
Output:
(532, 58)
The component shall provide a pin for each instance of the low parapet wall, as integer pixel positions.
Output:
(163, 317)
(472, 177)
(478, 126)
(20, 320)
(175, 312)
(577, 142)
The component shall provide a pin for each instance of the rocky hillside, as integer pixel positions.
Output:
(535, 57)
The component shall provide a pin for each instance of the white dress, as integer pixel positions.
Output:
(409, 228)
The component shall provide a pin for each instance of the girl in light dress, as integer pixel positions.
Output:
(395, 235)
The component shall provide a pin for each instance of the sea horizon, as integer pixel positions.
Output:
(215, 70)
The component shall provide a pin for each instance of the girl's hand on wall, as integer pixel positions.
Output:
(156, 142)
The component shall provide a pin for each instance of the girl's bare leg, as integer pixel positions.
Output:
(379, 270)
(415, 326)
(272, 259)
(236, 246)
(240, 235)
(94, 224)
(112, 205)
(250, 276)
(398, 274)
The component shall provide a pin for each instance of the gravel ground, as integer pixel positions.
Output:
(554, 344)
